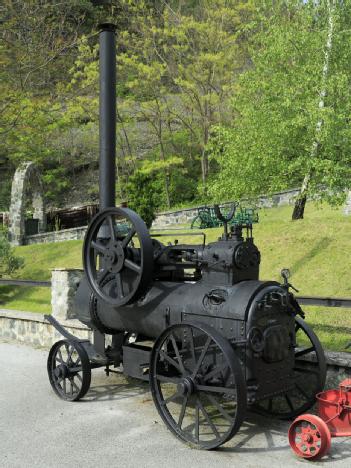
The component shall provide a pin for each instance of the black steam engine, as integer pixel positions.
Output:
(212, 339)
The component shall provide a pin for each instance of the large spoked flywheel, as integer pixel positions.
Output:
(118, 256)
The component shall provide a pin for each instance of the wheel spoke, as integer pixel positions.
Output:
(304, 351)
(192, 346)
(120, 291)
(99, 247)
(67, 346)
(69, 358)
(204, 351)
(223, 412)
(75, 370)
(64, 386)
(171, 398)
(302, 391)
(56, 372)
(176, 349)
(215, 371)
(170, 360)
(75, 385)
(289, 402)
(306, 370)
(182, 411)
(209, 388)
(112, 228)
(128, 237)
(132, 266)
(197, 422)
(60, 356)
(102, 274)
(208, 419)
(166, 379)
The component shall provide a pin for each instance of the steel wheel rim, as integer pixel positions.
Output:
(202, 415)
(309, 437)
(309, 379)
(69, 370)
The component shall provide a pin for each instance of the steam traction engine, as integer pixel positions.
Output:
(194, 320)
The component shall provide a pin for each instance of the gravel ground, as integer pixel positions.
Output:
(117, 426)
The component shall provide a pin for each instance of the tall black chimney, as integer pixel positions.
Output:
(107, 108)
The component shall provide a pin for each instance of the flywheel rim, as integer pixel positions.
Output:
(132, 276)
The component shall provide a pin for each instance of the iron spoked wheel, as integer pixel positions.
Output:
(309, 376)
(197, 385)
(197, 223)
(309, 437)
(118, 246)
(69, 370)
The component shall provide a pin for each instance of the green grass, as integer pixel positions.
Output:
(316, 249)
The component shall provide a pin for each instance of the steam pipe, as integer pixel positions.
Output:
(107, 110)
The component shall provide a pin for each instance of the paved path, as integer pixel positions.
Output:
(117, 426)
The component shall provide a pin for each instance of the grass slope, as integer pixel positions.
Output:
(316, 249)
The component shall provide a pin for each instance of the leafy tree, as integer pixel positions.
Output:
(268, 147)
(201, 53)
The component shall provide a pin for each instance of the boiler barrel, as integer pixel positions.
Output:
(167, 303)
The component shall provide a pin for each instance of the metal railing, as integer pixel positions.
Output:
(20, 282)
(325, 301)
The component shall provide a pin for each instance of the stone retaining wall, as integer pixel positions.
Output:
(56, 236)
(31, 328)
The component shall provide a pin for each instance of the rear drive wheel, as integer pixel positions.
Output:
(197, 385)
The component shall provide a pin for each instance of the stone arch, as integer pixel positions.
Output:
(27, 188)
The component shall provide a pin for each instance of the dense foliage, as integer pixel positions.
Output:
(216, 99)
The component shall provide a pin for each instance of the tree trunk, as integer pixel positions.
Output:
(300, 202)
(204, 160)
(299, 208)
(168, 198)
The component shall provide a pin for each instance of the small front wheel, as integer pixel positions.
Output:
(69, 370)
(309, 437)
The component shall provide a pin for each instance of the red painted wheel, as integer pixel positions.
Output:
(309, 437)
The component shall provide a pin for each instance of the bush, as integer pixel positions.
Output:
(144, 196)
(9, 262)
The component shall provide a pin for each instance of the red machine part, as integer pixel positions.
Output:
(334, 407)
(309, 437)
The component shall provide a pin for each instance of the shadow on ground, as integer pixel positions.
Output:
(118, 387)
